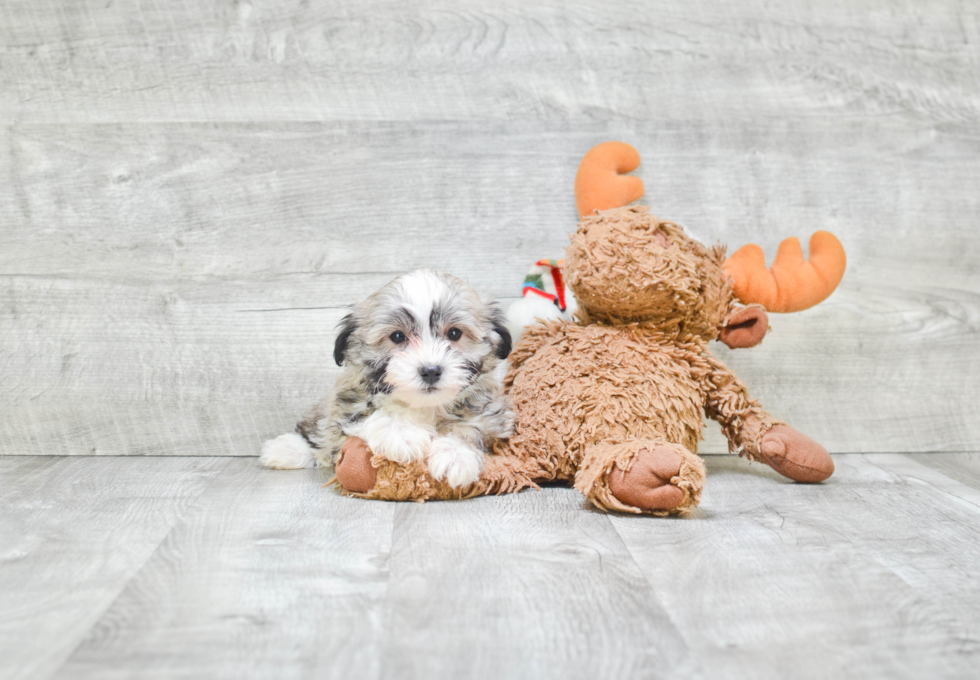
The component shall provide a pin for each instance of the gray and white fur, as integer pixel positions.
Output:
(422, 364)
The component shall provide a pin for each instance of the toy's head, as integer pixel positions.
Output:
(625, 265)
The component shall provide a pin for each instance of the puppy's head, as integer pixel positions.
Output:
(423, 338)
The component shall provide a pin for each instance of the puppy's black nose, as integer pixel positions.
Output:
(430, 374)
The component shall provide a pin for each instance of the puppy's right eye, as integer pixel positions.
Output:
(398, 337)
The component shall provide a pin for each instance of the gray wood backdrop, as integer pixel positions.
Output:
(192, 192)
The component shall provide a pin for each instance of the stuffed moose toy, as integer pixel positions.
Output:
(612, 401)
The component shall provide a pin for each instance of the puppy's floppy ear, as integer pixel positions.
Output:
(347, 327)
(504, 346)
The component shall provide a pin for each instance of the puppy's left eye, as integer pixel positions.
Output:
(398, 337)
(454, 334)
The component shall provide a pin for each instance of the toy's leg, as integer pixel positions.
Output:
(641, 475)
(363, 474)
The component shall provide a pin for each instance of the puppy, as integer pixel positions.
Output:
(422, 364)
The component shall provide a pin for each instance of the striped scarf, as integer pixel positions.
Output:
(545, 279)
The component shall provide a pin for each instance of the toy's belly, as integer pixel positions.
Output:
(594, 384)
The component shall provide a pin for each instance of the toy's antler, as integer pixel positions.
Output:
(792, 284)
(600, 184)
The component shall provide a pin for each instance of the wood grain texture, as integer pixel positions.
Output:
(203, 567)
(72, 533)
(191, 194)
(464, 60)
(963, 467)
(271, 576)
(867, 575)
(508, 589)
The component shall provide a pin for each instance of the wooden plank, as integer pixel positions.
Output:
(180, 369)
(277, 201)
(947, 486)
(963, 467)
(451, 60)
(867, 575)
(72, 534)
(266, 203)
(271, 575)
(525, 586)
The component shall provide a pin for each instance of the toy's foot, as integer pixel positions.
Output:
(794, 455)
(354, 470)
(641, 475)
(646, 485)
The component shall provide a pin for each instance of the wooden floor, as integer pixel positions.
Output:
(174, 567)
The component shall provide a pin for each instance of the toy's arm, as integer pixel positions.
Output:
(743, 420)
(756, 434)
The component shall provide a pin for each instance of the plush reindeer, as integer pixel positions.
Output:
(612, 401)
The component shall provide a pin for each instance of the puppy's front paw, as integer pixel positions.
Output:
(455, 461)
(398, 441)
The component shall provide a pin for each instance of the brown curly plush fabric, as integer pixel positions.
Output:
(627, 382)
(412, 482)
(627, 265)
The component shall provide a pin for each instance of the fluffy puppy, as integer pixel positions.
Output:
(422, 360)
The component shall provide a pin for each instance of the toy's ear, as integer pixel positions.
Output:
(745, 327)
(347, 328)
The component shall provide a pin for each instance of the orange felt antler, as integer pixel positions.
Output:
(792, 284)
(600, 184)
